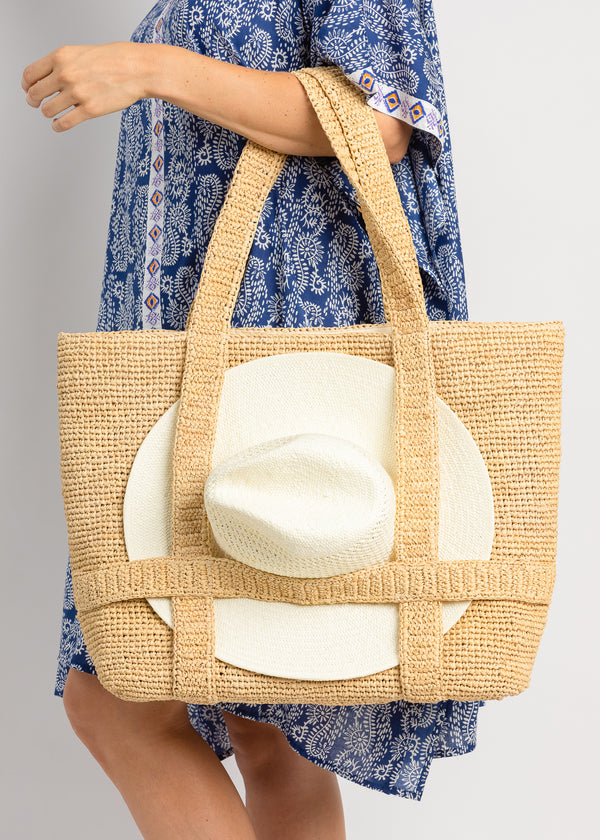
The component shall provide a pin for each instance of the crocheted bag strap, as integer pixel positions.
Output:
(353, 132)
(351, 127)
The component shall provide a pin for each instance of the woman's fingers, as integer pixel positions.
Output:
(78, 114)
(41, 89)
(68, 120)
(56, 104)
(38, 70)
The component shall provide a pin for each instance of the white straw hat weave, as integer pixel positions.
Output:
(305, 505)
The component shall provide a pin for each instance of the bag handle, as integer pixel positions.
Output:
(351, 127)
(354, 135)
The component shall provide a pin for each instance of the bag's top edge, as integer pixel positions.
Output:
(108, 335)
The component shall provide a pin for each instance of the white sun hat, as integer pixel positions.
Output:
(305, 505)
(303, 484)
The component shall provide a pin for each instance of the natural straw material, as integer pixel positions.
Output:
(502, 379)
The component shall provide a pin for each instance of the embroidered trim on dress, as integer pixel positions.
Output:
(151, 312)
(399, 104)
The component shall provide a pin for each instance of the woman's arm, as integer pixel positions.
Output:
(271, 108)
(268, 107)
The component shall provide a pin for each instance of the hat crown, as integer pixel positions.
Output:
(303, 505)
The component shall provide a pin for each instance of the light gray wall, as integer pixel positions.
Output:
(521, 83)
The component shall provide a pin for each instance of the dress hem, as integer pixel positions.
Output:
(390, 791)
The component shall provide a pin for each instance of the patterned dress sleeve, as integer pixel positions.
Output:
(389, 48)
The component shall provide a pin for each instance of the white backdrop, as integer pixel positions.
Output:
(521, 83)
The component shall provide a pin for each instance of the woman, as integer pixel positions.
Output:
(196, 79)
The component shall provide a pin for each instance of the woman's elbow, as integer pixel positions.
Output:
(395, 134)
(397, 150)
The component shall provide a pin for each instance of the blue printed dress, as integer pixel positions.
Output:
(311, 264)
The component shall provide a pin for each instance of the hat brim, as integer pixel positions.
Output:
(294, 393)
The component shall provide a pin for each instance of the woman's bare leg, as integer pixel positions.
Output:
(287, 796)
(171, 780)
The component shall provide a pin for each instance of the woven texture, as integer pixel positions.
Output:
(503, 380)
(262, 508)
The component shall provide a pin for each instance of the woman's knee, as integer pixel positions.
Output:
(82, 695)
(100, 719)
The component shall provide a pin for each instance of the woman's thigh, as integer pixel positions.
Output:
(108, 725)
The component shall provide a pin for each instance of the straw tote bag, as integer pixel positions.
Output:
(502, 379)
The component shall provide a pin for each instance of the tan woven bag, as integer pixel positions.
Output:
(503, 380)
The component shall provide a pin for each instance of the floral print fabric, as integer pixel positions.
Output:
(311, 264)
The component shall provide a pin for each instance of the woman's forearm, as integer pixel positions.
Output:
(268, 107)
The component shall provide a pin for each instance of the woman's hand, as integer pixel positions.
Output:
(96, 79)
(268, 107)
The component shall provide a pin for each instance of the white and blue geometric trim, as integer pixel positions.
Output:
(399, 104)
(151, 314)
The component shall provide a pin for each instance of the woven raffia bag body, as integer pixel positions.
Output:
(502, 379)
